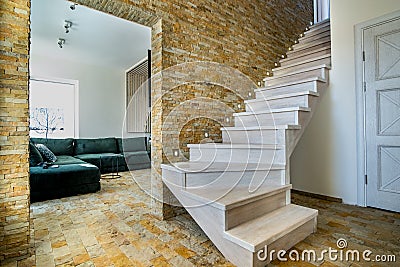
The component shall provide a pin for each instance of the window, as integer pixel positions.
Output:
(53, 108)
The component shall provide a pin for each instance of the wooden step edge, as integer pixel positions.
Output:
(288, 95)
(277, 110)
(260, 128)
(310, 60)
(206, 167)
(237, 146)
(226, 202)
(255, 234)
(299, 81)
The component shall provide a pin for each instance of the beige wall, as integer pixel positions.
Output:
(325, 160)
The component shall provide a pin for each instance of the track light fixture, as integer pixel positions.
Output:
(61, 42)
(67, 25)
(73, 6)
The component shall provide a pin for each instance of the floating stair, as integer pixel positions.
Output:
(238, 191)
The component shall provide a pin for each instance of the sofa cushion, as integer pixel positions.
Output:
(95, 146)
(65, 160)
(46, 153)
(35, 158)
(103, 160)
(57, 146)
(66, 180)
(131, 144)
(136, 157)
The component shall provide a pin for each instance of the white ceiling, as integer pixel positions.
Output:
(94, 38)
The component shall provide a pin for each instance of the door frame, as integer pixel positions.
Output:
(75, 83)
(360, 101)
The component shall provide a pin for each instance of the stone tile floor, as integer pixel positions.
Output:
(114, 228)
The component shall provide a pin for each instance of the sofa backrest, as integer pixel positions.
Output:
(95, 146)
(57, 146)
(131, 144)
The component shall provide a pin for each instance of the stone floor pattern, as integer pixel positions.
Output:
(114, 228)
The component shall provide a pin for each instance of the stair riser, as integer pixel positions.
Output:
(308, 50)
(305, 55)
(309, 86)
(226, 179)
(320, 72)
(255, 137)
(281, 118)
(252, 210)
(309, 39)
(323, 42)
(264, 156)
(295, 101)
(230, 179)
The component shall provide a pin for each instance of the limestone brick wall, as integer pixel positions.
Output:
(14, 183)
(248, 36)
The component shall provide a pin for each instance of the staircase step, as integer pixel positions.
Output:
(304, 55)
(310, 84)
(323, 42)
(263, 231)
(310, 38)
(239, 203)
(316, 31)
(251, 153)
(299, 99)
(298, 66)
(292, 115)
(200, 175)
(297, 73)
(320, 24)
(259, 135)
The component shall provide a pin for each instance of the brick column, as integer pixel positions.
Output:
(14, 129)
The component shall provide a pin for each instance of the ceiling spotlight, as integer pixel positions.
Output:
(73, 6)
(67, 25)
(61, 42)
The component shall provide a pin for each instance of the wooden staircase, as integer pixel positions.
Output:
(238, 191)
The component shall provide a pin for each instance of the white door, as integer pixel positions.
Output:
(382, 77)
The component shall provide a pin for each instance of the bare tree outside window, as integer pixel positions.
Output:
(46, 120)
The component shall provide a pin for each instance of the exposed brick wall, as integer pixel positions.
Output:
(246, 35)
(14, 183)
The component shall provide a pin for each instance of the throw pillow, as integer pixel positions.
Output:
(46, 153)
(35, 158)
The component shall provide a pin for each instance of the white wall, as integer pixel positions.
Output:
(101, 93)
(325, 160)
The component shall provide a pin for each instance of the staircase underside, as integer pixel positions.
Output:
(238, 191)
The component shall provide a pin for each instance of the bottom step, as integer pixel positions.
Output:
(279, 229)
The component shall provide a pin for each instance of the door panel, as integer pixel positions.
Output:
(382, 77)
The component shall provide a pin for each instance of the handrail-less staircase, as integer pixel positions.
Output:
(238, 191)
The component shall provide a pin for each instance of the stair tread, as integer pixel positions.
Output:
(255, 234)
(316, 31)
(228, 198)
(320, 24)
(299, 81)
(256, 128)
(287, 95)
(305, 62)
(238, 146)
(195, 167)
(276, 110)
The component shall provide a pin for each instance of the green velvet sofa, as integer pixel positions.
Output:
(82, 161)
